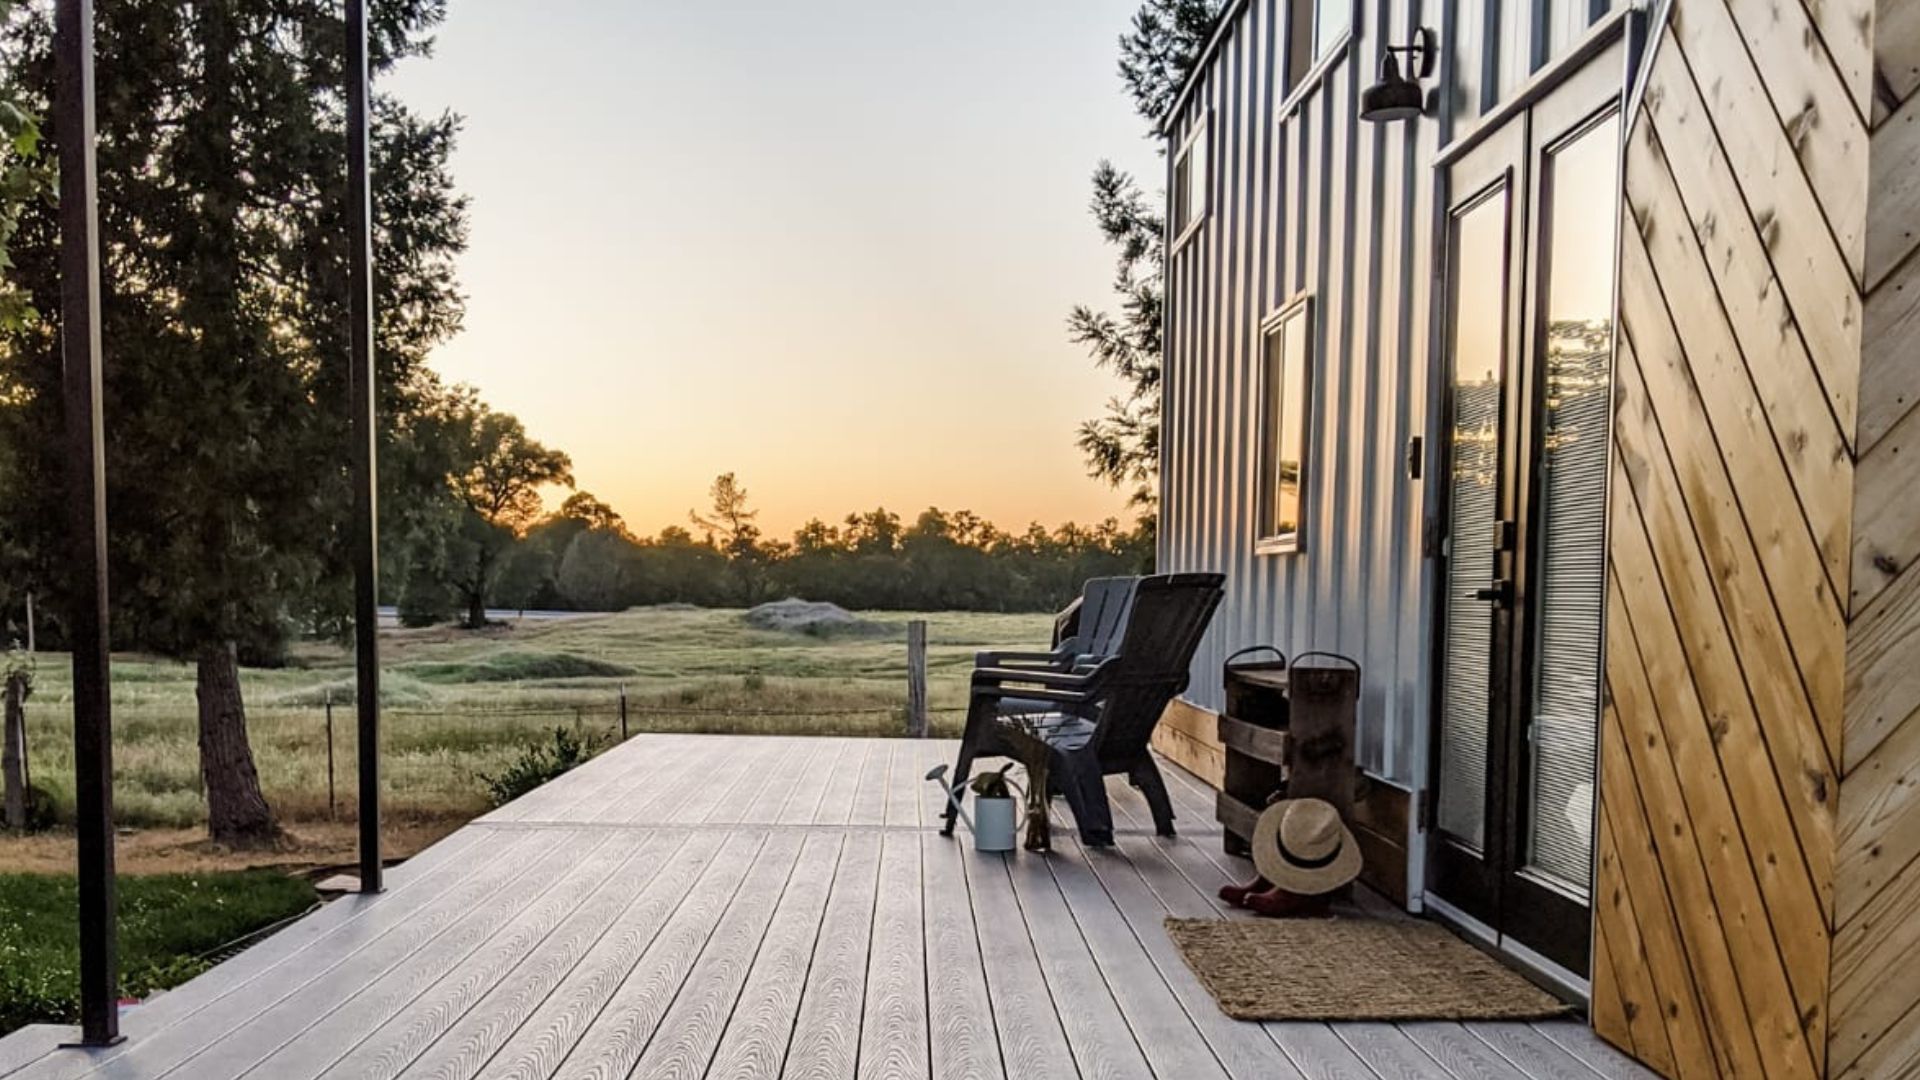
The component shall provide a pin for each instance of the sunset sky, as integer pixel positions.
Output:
(828, 246)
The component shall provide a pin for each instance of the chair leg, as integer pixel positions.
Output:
(963, 766)
(1086, 791)
(1146, 776)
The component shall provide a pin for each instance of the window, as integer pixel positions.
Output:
(1283, 471)
(1315, 28)
(1190, 183)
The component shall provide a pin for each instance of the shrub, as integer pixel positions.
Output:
(540, 763)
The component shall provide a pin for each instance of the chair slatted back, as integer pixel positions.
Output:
(1169, 615)
(1102, 616)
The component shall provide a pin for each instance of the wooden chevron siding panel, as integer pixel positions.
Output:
(1757, 911)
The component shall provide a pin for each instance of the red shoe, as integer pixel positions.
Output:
(1237, 894)
(1281, 904)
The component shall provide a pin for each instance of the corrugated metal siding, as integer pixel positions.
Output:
(1314, 201)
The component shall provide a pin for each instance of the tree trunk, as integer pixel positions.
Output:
(477, 595)
(13, 760)
(237, 812)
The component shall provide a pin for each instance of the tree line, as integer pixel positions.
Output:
(582, 557)
(224, 299)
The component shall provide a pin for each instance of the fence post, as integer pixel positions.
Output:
(917, 679)
(329, 699)
(13, 759)
(623, 712)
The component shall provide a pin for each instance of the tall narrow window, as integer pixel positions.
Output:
(1190, 183)
(1283, 469)
(1315, 29)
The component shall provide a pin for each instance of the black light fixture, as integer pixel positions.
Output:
(1394, 96)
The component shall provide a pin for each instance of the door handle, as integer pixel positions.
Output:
(1501, 592)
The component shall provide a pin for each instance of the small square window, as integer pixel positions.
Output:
(1190, 183)
(1284, 417)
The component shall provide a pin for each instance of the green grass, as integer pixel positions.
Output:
(460, 704)
(168, 922)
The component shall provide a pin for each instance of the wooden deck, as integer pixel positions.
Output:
(710, 906)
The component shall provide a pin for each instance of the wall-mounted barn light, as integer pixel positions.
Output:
(1394, 96)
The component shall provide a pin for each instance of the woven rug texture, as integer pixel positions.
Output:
(1352, 969)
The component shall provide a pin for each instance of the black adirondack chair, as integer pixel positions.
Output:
(1092, 626)
(1096, 720)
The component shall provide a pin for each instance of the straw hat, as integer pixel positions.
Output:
(1302, 846)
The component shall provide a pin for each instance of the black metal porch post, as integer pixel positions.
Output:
(87, 520)
(366, 570)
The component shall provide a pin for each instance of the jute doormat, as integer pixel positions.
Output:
(1352, 969)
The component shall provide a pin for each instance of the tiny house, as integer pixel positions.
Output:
(1577, 402)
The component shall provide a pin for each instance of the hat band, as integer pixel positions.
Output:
(1308, 864)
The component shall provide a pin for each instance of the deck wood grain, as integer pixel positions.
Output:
(893, 1028)
(1103, 1045)
(964, 1046)
(761, 1028)
(544, 1038)
(1033, 1045)
(613, 1043)
(826, 1035)
(685, 1038)
(466, 1045)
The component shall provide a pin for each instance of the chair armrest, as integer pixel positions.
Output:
(1053, 695)
(1086, 679)
(993, 659)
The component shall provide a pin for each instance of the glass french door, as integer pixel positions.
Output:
(1529, 245)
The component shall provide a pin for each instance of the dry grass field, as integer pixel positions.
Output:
(462, 704)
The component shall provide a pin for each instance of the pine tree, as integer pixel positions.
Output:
(224, 235)
(1123, 445)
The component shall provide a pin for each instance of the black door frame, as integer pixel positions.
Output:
(1491, 885)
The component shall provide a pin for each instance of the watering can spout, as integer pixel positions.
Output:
(938, 774)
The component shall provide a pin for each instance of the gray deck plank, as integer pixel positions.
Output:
(1464, 1056)
(1580, 1040)
(1536, 1055)
(904, 783)
(393, 923)
(30, 1044)
(499, 982)
(351, 1000)
(795, 773)
(694, 906)
(459, 1051)
(619, 1034)
(1158, 1017)
(963, 1041)
(893, 1027)
(685, 1038)
(1390, 1053)
(870, 797)
(663, 771)
(1242, 1049)
(826, 1035)
(722, 771)
(1103, 1045)
(767, 774)
(803, 805)
(536, 1046)
(1318, 1052)
(600, 785)
(1033, 1045)
(418, 999)
(757, 1035)
(836, 806)
(1191, 796)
